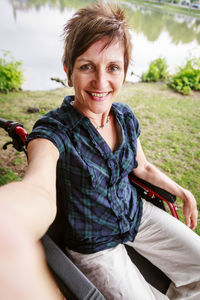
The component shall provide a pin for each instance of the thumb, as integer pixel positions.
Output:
(187, 222)
(187, 217)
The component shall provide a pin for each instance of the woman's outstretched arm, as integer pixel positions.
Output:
(33, 199)
(27, 208)
(24, 273)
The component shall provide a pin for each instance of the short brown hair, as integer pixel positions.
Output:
(89, 25)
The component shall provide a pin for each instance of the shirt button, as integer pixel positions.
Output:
(111, 163)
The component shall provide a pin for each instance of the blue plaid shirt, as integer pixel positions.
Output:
(99, 207)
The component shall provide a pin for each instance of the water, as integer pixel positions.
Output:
(31, 30)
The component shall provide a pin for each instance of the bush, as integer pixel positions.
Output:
(157, 71)
(187, 78)
(11, 74)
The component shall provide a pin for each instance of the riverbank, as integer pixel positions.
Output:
(168, 7)
(169, 129)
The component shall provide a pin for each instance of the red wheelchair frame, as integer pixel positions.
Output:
(72, 283)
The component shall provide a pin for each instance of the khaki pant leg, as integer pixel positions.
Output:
(114, 274)
(174, 248)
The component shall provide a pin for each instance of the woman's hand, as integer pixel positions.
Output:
(190, 209)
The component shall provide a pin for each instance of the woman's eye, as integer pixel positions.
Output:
(86, 67)
(114, 68)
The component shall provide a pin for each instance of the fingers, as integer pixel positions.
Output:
(190, 210)
(190, 217)
(187, 221)
(193, 222)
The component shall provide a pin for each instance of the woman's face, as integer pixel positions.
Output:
(97, 77)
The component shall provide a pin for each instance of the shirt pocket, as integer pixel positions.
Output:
(127, 159)
(99, 174)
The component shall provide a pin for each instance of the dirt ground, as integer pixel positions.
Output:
(11, 159)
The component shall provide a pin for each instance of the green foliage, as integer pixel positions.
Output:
(157, 71)
(187, 78)
(11, 74)
(184, 81)
(7, 176)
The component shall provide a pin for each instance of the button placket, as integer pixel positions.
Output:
(116, 204)
(114, 170)
(124, 225)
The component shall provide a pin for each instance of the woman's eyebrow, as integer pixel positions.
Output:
(84, 59)
(116, 62)
(90, 61)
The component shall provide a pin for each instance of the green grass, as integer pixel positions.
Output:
(7, 175)
(170, 126)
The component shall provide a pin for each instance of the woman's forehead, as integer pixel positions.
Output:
(102, 49)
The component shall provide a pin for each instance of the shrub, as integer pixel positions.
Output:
(11, 74)
(157, 71)
(187, 78)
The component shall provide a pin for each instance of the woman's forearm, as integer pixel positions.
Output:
(32, 205)
(151, 174)
(154, 176)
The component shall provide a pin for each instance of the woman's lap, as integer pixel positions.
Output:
(114, 274)
(163, 240)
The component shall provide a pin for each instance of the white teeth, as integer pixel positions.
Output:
(98, 95)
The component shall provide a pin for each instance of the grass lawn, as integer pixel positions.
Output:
(170, 129)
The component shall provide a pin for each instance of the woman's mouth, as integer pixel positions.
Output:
(98, 96)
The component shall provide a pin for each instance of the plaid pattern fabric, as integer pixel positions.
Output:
(99, 207)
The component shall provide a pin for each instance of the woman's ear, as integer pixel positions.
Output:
(70, 84)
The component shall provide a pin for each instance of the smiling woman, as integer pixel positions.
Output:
(80, 157)
(92, 28)
(97, 77)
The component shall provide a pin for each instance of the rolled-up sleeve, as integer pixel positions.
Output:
(50, 129)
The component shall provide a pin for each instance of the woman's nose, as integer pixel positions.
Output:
(101, 79)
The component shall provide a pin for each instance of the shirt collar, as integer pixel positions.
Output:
(75, 117)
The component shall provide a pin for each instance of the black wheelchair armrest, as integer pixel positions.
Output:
(145, 188)
(71, 281)
(154, 194)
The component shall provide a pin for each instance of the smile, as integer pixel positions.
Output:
(99, 95)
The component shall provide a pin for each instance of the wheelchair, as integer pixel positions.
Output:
(73, 284)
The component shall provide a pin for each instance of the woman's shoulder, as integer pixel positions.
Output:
(123, 109)
(128, 117)
(52, 125)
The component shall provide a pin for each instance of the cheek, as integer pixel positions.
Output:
(76, 84)
(79, 89)
(119, 82)
(78, 81)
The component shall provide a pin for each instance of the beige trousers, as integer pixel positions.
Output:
(162, 239)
